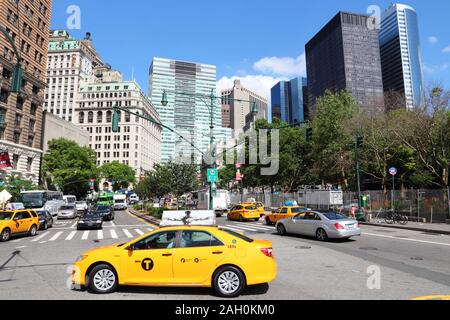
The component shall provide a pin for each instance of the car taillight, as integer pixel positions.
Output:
(338, 226)
(268, 252)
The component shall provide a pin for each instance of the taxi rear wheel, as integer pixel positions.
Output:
(103, 279)
(33, 231)
(6, 235)
(228, 282)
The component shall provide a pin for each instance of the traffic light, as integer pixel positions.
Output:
(309, 134)
(16, 83)
(359, 142)
(115, 122)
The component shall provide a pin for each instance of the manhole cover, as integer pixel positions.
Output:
(369, 249)
(303, 248)
(417, 259)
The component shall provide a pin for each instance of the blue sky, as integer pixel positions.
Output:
(259, 41)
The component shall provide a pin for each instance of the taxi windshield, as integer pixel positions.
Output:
(5, 216)
(250, 207)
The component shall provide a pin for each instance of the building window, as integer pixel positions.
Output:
(29, 164)
(90, 117)
(99, 117)
(15, 163)
(81, 117)
(108, 116)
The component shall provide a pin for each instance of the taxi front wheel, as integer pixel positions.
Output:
(228, 282)
(33, 231)
(103, 279)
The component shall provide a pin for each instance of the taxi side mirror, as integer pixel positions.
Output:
(131, 247)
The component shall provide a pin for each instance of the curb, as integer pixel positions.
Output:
(145, 217)
(407, 228)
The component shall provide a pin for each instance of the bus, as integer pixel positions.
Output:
(105, 198)
(42, 200)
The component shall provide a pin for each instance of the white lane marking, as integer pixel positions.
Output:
(17, 240)
(253, 226)
(100, 235)
(85, 235)
(21, 247)
(56, 236)
(150, 229)
(113, 224)
(42, 242)
(243, 228)
(403, 239)
(71, 235)
(127, 233)
(74, 225)
(114, 234)
(40, 237)
(139, 232)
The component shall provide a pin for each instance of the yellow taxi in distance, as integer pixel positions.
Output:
(181, 256)
(18, 222)
(259, 206)
(285, 212)
(244, 212)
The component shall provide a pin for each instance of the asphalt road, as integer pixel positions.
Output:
(409, 264)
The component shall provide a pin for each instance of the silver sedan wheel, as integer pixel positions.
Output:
(321, 235)
(104, 280)
(229, 282)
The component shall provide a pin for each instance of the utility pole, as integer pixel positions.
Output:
(211, 148)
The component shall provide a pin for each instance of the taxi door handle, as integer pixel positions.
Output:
(137, 261)
(217, 252)
(167, 255)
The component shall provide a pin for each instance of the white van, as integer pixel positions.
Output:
(120, 202)
(70, 200)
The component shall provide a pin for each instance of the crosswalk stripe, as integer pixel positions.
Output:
(74, 225)
(127, 233)
(254, 226)
(100, 235)
(85, 235)
(150, 229)
(243, 228)
(233, 229)
(71, 235)
(113, 234)
(138, 231)
(40, 237)
(56, 236)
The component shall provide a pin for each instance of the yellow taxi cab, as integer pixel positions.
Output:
(259, 206)
(179, 256)
(244, 212)
(284, 212)
(18, 222)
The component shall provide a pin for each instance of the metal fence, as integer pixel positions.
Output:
(431, 206)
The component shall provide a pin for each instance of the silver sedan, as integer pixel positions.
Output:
(322, 225)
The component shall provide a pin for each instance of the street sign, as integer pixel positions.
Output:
(5, 196)
(213, 175)
(393, 171)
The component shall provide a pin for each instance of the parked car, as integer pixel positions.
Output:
(45, 220)
(322, 225)
(106, 212)
(90, 220)
(68, 211)
(82, 207)
(134, 199)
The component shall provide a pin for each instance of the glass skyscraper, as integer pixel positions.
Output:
(401, 54)
(186, 112)
(289, 100)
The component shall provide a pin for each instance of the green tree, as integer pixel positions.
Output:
(69, 166)
(183, 178)
(120, 174)
(156, 183)
(16, 185)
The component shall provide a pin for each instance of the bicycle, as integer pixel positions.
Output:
(394, 217)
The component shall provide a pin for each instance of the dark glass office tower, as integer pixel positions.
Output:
(289, 100)
(345, 55)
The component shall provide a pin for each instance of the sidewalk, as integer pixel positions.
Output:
(436, 228)
(144, 216)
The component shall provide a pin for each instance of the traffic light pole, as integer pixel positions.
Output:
(358, 177)
(16, 83)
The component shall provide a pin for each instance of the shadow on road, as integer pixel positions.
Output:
(249, 291)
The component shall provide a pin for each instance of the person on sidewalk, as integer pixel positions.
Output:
(353, 212)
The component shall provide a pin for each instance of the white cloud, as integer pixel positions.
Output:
(435, 68)
(433, 40)
(282, 66)
(260, 84)
(446, 49)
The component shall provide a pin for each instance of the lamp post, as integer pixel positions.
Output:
(17, 77)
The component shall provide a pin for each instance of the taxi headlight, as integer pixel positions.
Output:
(81, 258)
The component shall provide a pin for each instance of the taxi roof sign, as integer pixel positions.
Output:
(188, 218)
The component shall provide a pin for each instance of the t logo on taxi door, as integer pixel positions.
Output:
(147, 264)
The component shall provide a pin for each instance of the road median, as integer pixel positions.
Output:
(144, 216)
